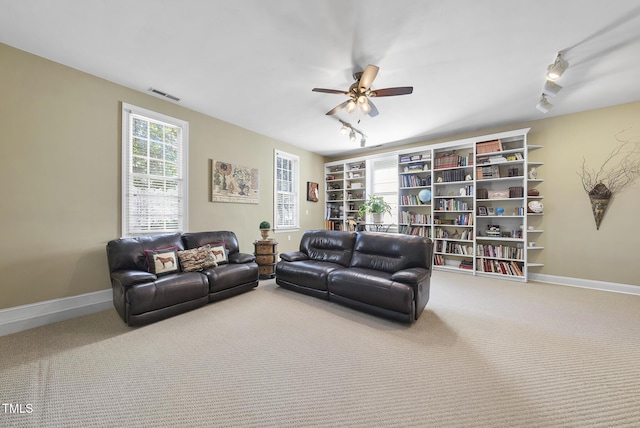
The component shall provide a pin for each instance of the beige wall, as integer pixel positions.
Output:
(572, 245)
(60, 180)
(60, 189)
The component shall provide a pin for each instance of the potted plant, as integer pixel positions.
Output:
(376, 206)
(264, 229)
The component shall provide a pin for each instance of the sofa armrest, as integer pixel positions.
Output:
(127, 278)
(241, 258)
(411, 276)
(293, 256)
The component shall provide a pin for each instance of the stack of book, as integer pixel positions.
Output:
(489, 147)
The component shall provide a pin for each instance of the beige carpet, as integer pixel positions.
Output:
(485, 353)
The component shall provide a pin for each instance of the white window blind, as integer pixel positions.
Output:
(383, 181)
(154, 171)
(286, 210)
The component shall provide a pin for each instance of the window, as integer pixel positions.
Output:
(286, 191)
(383, 181)
(154, 172)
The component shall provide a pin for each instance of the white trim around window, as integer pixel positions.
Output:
(286, 202)
(154, 172)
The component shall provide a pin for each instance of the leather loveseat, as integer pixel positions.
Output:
(381, 273)
(141, 296)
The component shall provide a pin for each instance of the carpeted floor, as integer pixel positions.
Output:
(485, 353)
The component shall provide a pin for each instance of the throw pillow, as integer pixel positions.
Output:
(163, 261)
(220, 252)
(197, 259)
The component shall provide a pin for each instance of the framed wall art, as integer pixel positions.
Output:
(312, 191)
(234, 183)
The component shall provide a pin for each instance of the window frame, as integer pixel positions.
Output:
(126, 172)
(390, 162)
(294, 195)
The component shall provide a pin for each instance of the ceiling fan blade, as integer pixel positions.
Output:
(367, 77)
(330, 91)
(374, 110)
(389, 92)
(337, 108)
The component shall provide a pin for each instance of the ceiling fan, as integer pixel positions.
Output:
(360, 92)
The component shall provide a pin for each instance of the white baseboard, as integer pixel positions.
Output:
(19, 318)
(587, 283)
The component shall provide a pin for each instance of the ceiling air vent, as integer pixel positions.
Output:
(164, 94)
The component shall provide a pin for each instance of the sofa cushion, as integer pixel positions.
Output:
(231, 275)
(162, 261)
(388, 252)
(306, 273)
(372, 287)
(167, 290)
(128, 253)
(197, 259)
(198, 239)
(328, 246)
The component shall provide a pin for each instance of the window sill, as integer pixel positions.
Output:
(291, 229)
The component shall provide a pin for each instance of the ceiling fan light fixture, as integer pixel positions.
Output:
(543, 105)
(555, 70)
(351, 106)
(366, 108)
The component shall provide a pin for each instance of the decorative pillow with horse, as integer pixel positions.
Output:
(220, 252)
(197, 259)
(164, 261)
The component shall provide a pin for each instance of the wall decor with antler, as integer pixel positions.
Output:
(619, 170)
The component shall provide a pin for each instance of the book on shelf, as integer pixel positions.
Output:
(452, 160)
(489, 146)
(466, 264)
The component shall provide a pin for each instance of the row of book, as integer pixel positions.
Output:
(453, 175)
(414, 181)
(489, 147)
(453, 248)
(453, 205)
(496, 266)
(415, 231)
(486, 172)
(465, 235)
(501, 251)
(407, 217)
(452, 160)
(333, 225)
(460, 220)
(411, 200)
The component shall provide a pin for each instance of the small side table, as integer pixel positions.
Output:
(266, 252)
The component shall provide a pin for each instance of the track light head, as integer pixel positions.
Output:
(543, 105)
(362, 142)
(555, 70)
(551, 88)
(352, 136)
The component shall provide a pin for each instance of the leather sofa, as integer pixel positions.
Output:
(384, 274)
(142, 297)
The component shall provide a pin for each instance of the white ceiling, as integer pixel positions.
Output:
(473, 64)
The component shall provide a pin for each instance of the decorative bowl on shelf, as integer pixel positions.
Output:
(424, 196)
(535, 207)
